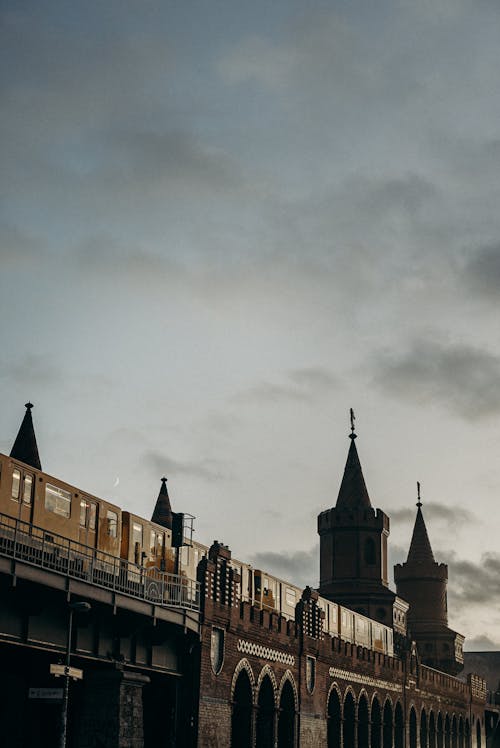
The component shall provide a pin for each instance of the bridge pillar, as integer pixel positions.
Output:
(112, 710)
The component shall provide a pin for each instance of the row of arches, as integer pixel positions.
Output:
(263, 714)
(371, 725)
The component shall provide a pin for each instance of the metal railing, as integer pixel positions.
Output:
(38, 547)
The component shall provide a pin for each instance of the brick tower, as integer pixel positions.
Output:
(423, 582)
(353, 547)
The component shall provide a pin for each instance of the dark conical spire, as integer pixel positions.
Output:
(353, 493)
(162, 514)
(25, 448)
(420, 546)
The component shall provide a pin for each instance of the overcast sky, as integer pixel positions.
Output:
(222, 225)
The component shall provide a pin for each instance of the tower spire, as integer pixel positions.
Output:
(162, 514)
(353, 493)
(25, 447)
(420, 546)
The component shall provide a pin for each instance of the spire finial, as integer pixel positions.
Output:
(28, 405)
(164, 480)
(419, 503)
(352, 435)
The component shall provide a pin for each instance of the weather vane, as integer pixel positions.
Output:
(419, 503)
(353, 418)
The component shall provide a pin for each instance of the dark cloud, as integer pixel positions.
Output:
(433, 511)
(474, 583)
(300, 568)
(161, 463)
(32, 371)
(300, 385)
(482, 272)
(460, 377)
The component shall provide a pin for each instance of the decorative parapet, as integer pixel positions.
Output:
(219, 580)
(477, 687)
(308, 615)
(265, 653)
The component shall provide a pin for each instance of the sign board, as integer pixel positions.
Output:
(72, 672)
(48, 694)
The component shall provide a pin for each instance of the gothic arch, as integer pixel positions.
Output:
(287, 720)
(349, 718)
(242, 710)
(334, 717)
(399, 726)
(267, 670)
(439, 731)
(287, 676)
(447, 732)
(387, 724)
(376, 723)
(454, 732)
(242, 665)
(266, 710)
(424, 730)
(363, 720)
(432, 730)
(413, 727)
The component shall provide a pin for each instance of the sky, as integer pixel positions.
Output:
(224, 224)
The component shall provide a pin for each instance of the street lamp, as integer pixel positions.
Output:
(77, 607)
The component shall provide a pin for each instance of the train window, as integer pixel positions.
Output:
(112, 519)
(57, 500)
(83, 513)
(291, 597)
(137, 534)
(92, 515)
(27, 488)
(153, 543)
(16, 484)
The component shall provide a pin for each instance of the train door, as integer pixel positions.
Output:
(87, 534)
(22, 492)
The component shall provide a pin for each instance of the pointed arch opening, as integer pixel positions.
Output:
(334, 720)
(440, 732)
(423, 729)
(286, 720)
(432, 730)
(467, 734)
(447, 732)
(399, 727)
(478, 733)
(413, 728)
(264, 732)
(349, 720)
(363, 722)
(461, 733)
(454, 732)
(376, 724)
(387, 728)
(241, 720)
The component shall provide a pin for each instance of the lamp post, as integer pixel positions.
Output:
(77, 607)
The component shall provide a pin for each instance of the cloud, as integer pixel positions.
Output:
(161, 463)
(300, 385)
(32, 370)
(18, 248)
(481, 643)
(300, 568)
(433, 512)
(473, 583)
(482, 272)
(462, 378)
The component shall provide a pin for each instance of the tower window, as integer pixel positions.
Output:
(369, 551)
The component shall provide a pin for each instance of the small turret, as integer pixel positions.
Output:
(25, 448)
(423, 583)
(162, 514)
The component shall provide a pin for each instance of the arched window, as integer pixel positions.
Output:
(423, 729)
(439, 733)
(432, 731)
(349, 720)
(334, 720)
(461, 733)
(376, 724)
(363, 722)
(241, 722)
(265, 715)
(370, 553)
(286, 722)
(447, 732)
(454, 733)
(399, 727)
(387, 726)
(413, 728)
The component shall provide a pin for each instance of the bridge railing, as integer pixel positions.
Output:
(38, 547)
